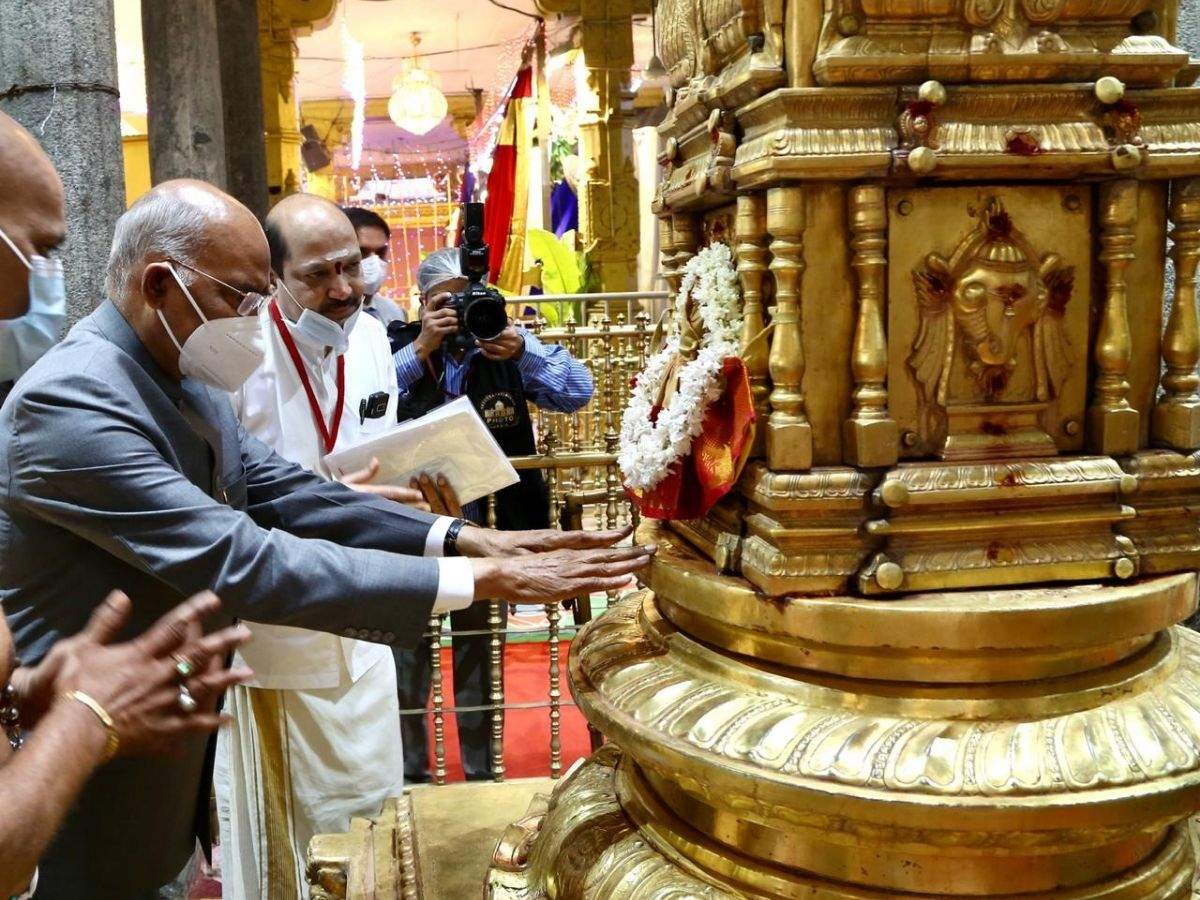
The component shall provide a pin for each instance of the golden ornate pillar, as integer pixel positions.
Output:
(608, 192)
(280, 23)
(946, 660)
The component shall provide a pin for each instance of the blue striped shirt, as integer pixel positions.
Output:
(551, 376)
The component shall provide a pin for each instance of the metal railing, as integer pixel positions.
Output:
(577, 453)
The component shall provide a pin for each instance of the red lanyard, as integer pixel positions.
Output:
(328, 434)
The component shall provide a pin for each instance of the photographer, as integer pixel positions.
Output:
(436, 363)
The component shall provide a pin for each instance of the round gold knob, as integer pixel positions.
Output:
(932, 92)
(671, 150)
(894, 493)
(1129, 484)
(1126, 157)
(1109, 90)
(889, 576)
(1124, 567)
(922, 160)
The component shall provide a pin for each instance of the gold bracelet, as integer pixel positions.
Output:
(112, 739)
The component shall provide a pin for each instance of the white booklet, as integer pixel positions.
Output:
(451, 440)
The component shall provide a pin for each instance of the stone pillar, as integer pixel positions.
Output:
(58, 65)
(183, 91)
(608, 199)
(242, 99)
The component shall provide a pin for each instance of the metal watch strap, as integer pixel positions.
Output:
(450, 541)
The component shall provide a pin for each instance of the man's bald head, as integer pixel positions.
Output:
(315, 252)
(31, 211)
(296, 215)
(181, 234)
(180, 220)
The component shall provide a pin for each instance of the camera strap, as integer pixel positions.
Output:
(329, 434)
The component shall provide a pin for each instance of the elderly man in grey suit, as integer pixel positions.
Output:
(121, 467)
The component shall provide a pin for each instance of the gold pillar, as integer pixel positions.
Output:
(789, 434)
(280, 23)
(608, 197)
(752, 269)
(870, 435)
(1113, 423)
(1177, 415)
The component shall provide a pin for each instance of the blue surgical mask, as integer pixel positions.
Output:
(319, 331)
(24, 340)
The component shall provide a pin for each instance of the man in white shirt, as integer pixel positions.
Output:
(316, 736)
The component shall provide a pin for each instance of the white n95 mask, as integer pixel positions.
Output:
(319, 331)
(25, 339)
(221, 353)
(374, 270)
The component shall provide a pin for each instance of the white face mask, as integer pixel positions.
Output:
(319, 331)
(221, 353)
(24, 340)
(374, 272)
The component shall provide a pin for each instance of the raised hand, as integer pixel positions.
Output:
(139, 683)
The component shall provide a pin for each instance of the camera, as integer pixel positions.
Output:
(482, 312)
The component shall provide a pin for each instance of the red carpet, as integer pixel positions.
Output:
(526, 731)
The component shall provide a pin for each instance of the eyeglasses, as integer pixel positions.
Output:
(251, 301)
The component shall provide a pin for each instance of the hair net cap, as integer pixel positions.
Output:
(438, 266)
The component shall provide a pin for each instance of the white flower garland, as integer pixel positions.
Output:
(648, 449)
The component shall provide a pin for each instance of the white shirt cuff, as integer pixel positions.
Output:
(456, 584)
(435, 540)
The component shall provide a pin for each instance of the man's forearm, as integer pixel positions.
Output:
(40, 783)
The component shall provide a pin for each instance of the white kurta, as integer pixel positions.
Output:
(315, 737)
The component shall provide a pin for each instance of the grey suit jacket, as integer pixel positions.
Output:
(114, 476)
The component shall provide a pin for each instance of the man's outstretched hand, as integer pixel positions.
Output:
(474, 541)
(558, 574)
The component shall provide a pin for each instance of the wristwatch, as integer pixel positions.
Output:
(450, 541)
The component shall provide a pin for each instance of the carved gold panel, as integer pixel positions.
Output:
(989, 291)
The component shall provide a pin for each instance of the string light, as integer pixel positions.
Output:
(354, 80)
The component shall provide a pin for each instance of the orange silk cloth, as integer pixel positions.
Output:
(718, 454)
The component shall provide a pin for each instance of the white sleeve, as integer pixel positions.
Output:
(456, 584)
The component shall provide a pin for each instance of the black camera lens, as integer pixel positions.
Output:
(485, 316)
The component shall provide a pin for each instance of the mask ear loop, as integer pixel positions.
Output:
(183, 287)
(13, 247)
(287, 290)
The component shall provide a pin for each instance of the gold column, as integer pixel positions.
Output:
(1112, 422)
(752, 268)
(1177, 415)
(280, 23)
(789, 434)
(870, 434)
(608, 198)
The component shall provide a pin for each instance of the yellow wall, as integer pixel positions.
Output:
(137, 166)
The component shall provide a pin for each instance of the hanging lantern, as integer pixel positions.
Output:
(416, 104)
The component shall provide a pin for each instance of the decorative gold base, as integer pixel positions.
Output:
(1030, 742)
(607, 836)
